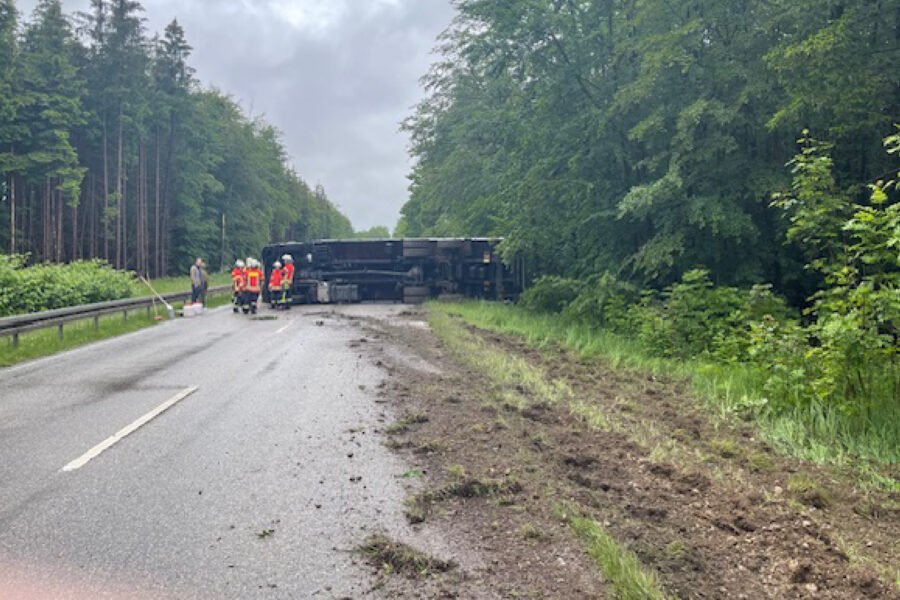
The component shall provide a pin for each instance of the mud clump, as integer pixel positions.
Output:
(391, 557)
(419, 507)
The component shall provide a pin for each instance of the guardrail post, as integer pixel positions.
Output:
(15, 340)
(60, 330)
(148, 311)
(96, 322)
(125, 314)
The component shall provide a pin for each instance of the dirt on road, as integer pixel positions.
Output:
(505, 455)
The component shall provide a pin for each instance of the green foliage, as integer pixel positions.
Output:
(603, 302)
(49, 286)
(817, 209)
(841, 359)
(374, 233)
(551, 294)
(848, 360)
(694, 316)
(645, 138)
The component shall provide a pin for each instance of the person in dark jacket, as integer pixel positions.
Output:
(197, 280)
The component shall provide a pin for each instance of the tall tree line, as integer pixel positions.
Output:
(646, 137)
(110, 148)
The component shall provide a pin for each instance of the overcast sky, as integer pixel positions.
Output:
(335, 76)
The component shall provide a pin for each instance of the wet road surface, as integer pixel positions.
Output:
(255, 485)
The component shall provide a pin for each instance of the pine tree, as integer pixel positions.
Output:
(173, 79)
(10, 125)
(51, 91)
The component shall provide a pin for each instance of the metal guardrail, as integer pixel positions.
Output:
(17, 324)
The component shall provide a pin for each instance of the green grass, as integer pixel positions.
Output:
(630, 580)
(44, 342)
(172, 285)
(812, 433)
(517, 382)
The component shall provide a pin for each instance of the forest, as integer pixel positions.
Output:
(712, 179)
(110, 148)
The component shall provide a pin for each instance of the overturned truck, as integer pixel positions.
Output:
(400, 270)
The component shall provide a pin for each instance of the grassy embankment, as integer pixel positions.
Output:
(44, 342)
(811, 433)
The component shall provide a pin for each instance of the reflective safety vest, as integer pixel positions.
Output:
(254, 280)
(275, 279)
(289, 273)
(237, 279)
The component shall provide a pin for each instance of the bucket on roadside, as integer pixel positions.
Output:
(193, 310)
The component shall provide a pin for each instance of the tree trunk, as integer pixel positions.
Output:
(92, 251)
(12, 214)
(60, 248)
(104, 217)
(120, 193)
(30, 211)
(45, 222)
(167, 184)
(157, 266)
(74, 255)
(142, 209)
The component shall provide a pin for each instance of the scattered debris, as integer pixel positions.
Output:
(391, 557)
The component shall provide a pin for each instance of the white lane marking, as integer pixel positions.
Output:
(115, 438)
(283, 329)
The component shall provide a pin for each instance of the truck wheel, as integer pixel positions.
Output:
(418, 248)
(415, 294)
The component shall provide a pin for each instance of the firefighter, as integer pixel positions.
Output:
(238, 278)
(275, 292)
(253, 286)
(287, 282)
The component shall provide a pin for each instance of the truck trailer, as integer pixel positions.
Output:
(400, 270)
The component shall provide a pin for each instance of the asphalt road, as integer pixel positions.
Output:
(246, 488)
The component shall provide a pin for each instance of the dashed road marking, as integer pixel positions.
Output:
(129, 429)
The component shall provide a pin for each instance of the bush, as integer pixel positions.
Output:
(603, 302)
(49, 286)
(694, 318)
(550, 294)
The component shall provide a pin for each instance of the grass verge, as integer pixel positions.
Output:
(45, 342)
(620, 566)
(812, 433)
(516, 381)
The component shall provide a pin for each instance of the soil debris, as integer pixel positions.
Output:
(389, 557)
(704, 505)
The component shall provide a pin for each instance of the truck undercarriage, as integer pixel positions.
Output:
(400, 270)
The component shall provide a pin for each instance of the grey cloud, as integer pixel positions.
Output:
(335, 76)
